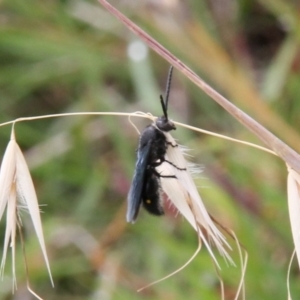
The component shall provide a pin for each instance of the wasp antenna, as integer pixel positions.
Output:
(168, 87)
(163, 105)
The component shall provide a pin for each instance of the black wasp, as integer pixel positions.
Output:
(145, 188)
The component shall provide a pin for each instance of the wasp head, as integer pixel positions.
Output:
(164, 124)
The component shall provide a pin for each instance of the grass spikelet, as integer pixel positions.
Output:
(8, 199)
(16, 185)
(184, 195)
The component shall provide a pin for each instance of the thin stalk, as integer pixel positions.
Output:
(290, 156)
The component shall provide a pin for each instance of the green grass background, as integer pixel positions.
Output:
(71, 56)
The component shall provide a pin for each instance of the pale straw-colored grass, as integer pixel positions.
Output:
(17, 188)
(184, 195)
(288, 276)
(16, 184)
(286, 153)
(294, 207)
(293, 190)
(18, 191)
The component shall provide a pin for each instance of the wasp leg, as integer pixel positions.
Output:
(163, 176)
(169, 162)
(173, 146)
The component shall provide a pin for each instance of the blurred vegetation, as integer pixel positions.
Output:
(70, 56)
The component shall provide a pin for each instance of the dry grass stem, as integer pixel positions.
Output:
(244, 262)
(189, 202)
(176, 271)
(285, 152)
(224, 137)
(138, 114)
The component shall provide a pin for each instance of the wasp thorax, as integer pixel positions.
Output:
(165, 124)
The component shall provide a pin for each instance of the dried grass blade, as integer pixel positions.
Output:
(8, 232)
(244, 262)
(288, 275)
(7, 174)
(196, 208)
(294, 207)
(8, 196)
(11, 223)
(180, 198)
(176, 193)
(283, 150)
(183, 193)
(25, 189)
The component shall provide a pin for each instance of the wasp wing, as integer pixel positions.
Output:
(134, 198)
